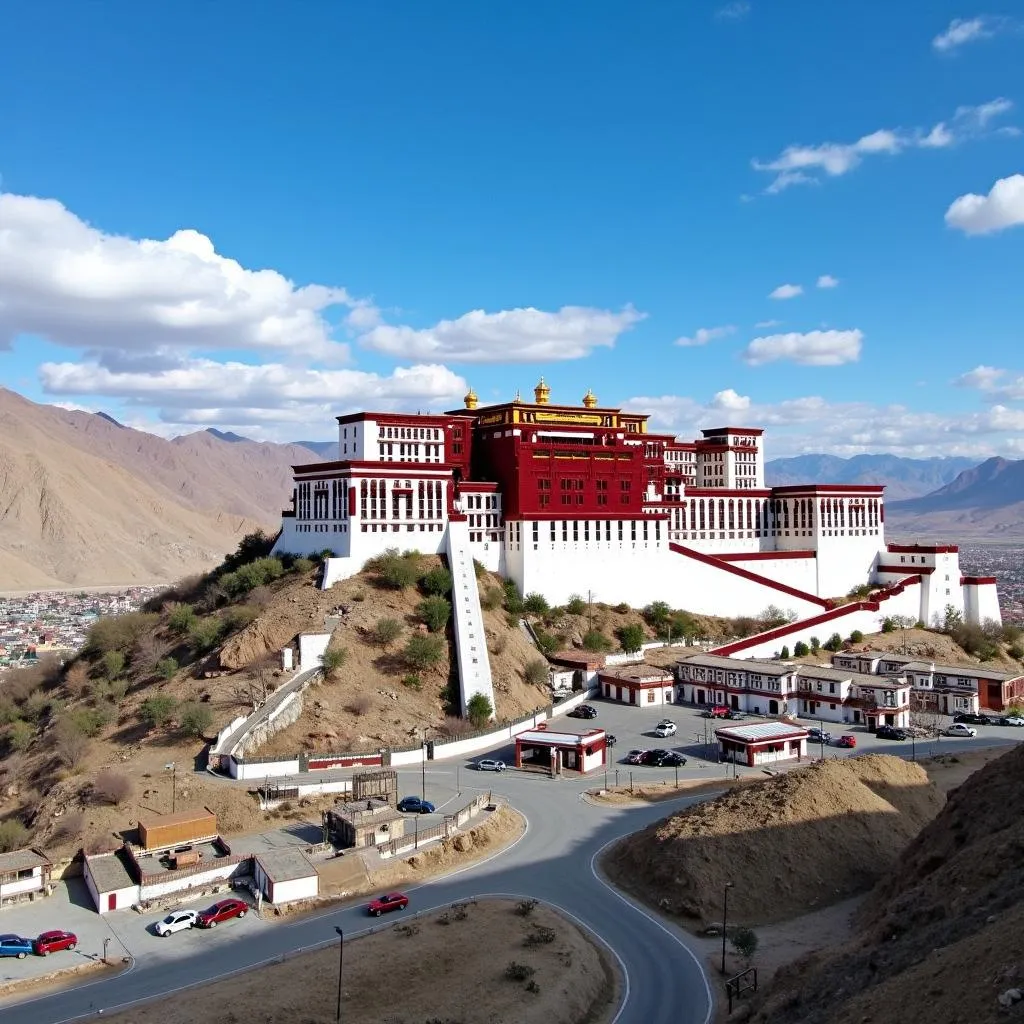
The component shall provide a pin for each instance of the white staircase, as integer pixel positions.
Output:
(468, 619)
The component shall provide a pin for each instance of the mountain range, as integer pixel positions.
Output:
(87, 501)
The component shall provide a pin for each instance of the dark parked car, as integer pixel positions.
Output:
(969, 718)
(635, 757)
(819, 736)
(385, 904)
(222, 911)
(584, 711)
(891, 732)
(610, 739)
(54, 942)
(672, 760)
(15, 945)
(414, 805)
(661, 758)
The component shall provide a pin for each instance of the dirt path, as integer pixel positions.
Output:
(448, 966)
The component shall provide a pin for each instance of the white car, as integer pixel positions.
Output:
(959, 729)
(176, 921)
(488, 765)
(665, 729)
(1015, 720)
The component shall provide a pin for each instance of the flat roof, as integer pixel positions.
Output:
(22, 860)
(285, 865)
(636, 672)
(158, 862)
(762, 731)
(550, 738)
(770, 668)
(180, 818)
(110, 871)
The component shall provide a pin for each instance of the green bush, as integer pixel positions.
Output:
(536, 672)
(622, 608)
(166, 668)
(205, 634)
(744, 941)
(8, 712)
(491, 599)
(36, 707)
(333, 659)
(437, 582)
(513, 600)
(834, 643)
(434, 612)
(479, 710)
(595, 640)
(656, 614)
(301, 566)
(13, 835)
(385, 632)
(238, 617)
(19, 735)
(398, 572)
(536, 604)
(519, 972)
(252, 547)
(1016, 652)
(888, 626)
(547, 643)
(575, 605)
(800, 649)
(412, 681)
(784, 653)
(856, 637)
(118, 632)
(158, 710)
(113, 664)
(181, 619)
(631, 637)
(195, 719)
(815, 645)
(251, 575)
(422, 652)
(88, 721)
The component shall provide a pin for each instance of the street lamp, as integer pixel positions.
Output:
(725, 920)
(423, 766)
(172, 767)
(341, 962)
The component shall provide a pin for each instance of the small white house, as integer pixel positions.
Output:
(762, 743)
(22, 873)
(559, 750)
(284, 876)
(644, 686)
(109, 881)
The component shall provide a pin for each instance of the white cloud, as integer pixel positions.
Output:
(787, 291)
(514, 335)
(1003, 207)
(65, 280)
(733, 11)
(992, 383)
(828, 281)
(964, 30)
(797, 164)
(705, 334)
(761, 324)
(213, 393)
(815, 348)
(729, 401)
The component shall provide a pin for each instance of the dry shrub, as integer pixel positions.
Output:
(112, 787)
(69, 743)
(76, 679)
(453, 726)
(68, 826)
(360, 705)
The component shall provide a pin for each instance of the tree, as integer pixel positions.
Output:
(888, 625)
(113, 664)
(437, 582)
(951, 619)
(158, 710)
(536, 672)
(195, 719)
(385, 632)
(332, 660)
(575, 605)
(800, 649)
(784, 653)
(181, 619)
(118, 632)
(479, 710)
(744, 941)
(856, 637)
(631, 637)
(13, 835)
(422, 652)
(167, 667)
(657, 614)
(595, 640)
(536, 604)
(815, 645)
(434, 612)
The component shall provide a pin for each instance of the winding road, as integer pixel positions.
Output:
(554, 861)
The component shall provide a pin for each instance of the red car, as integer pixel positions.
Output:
(716, 711)
(846, 740)
(223, 911)
(384, 904)
(54, 942)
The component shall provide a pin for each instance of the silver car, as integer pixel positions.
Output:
(488, 765)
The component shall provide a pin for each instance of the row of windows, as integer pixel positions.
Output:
(373, 499)
(411, 433)
(409, 452)
(586, 530)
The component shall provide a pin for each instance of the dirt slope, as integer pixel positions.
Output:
(790, 844)
(939, 937)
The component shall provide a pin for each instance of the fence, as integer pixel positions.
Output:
(451, 823)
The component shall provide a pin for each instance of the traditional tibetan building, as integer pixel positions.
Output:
(571, 499)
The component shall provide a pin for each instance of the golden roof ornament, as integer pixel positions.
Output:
(590, 400)
(518, 397)
(541, 393)
(472, 400)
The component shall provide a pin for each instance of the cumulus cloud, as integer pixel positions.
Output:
(804, 164)
(1002, 208)
(729, 401)
(210, 392)
(815, 348)
(787, 291)
(994, 383)
(828, 281)
(965, 30)
(703, 335)
(761, 324)
(67, 281)
(513, 335)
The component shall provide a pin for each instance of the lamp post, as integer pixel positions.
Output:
(341, 963)
(423, 766)
(725, 920)
(172, 767)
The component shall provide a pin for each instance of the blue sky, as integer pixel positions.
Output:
(475, 193)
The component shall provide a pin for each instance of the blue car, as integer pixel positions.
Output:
(414, 805)
(15, 945)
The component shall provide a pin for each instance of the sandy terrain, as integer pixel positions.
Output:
(416, 970)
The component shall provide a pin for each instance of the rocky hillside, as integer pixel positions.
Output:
(939, 938)
(85, 501)
(790, 844)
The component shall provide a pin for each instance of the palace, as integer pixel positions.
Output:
(586, 500)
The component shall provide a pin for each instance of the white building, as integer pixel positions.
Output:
(284, 876)
(558, 750)
(641, 685)
(22, 874)
(761, 743)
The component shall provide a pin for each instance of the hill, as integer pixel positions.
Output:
(85, 501)
(938, 939)
(902, 478)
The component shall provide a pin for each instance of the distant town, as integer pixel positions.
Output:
(57, 622)
(1007, 565)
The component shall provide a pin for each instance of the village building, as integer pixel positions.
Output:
(353, 825)
(23, 875)
(283, 876)
(638, 684)
(560, 750)
(762, 743)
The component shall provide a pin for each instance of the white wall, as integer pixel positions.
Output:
(20, 885)
(295, 889)
(265, 769)
(311, 649)
(199, 880)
